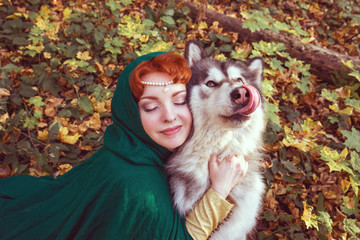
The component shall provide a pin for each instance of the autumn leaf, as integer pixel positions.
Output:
(66, 13)
(43, 135)
(4, 92)
(36, 101)
(94, 122)
(64, 168)
(83, 56)
(353, 138)
(310, 219)
(85, 104)
(65, 137)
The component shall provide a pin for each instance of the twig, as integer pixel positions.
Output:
(31, 140)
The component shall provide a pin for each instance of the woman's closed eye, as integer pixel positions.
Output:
(183, 102)
(180, 99)
(149, 108)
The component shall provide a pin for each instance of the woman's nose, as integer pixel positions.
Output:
(169, 114)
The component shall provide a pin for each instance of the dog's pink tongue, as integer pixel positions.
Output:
(254, 100)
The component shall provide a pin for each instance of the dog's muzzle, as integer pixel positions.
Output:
(247, 97)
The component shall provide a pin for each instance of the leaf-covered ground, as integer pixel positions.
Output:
(60, 61)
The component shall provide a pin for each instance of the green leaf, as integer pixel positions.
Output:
(30, 123)
(113, 5)
(37, 101)
(99, 36)
(54, 63)
(20, 41)
(351, 226)
(269, 216)
(355, 183)
(167, 19)
(54, 131)
(27, 91)
(251, 25)
(37, 114)
(11, 68)
(290, 166)
(350, 206)
(355, 161)
(353, 138)
(269, 48)
(304, 84)
(276, 64)
(271, 110)
(85, 104)
(65, 113)
(126, 2)
(330, 96)
(355, 103)
(355, 74)
(325, 219)
(267, 88)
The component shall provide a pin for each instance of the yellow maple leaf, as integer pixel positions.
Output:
(45, 11)
(349, 63)
(100, 107)
(64, 168)
(311, 220)
(37, 48)
(203, 25)
(221, 57)
(66, 138)
(66, 13)
(70, 139)
(291, 140)
(47, 55)
(83, 56)
(94, 121)
(43, 135)
(41, 23)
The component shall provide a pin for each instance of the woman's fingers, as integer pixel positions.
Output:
(224, 175)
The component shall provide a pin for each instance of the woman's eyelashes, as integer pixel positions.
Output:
(149, 108)
(180, 103)
(153, 107)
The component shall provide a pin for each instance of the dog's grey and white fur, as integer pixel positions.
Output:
(219, 128)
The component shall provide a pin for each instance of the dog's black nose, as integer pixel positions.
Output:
(240, 96)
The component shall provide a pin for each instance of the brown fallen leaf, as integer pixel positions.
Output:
(4, 92)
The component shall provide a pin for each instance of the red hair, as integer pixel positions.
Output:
(170, 63)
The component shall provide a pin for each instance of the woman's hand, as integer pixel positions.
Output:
(226, 174)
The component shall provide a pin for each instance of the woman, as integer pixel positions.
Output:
(120, 192)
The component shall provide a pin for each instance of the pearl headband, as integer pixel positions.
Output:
(157, 83)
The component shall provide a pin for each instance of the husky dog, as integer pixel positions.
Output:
(228, 119)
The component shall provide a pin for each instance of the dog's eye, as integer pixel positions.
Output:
(240, 80)
(211, 84)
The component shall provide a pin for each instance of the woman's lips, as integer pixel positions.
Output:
(171, 131)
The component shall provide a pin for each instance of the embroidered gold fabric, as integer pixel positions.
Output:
(207, 214)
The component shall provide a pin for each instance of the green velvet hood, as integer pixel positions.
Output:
(121, 192)
(127, 130)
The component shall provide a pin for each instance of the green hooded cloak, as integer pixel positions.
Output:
(121, 192)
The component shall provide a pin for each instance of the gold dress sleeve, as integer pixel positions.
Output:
(207, 214)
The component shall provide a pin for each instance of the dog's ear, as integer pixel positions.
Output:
(256, 66)
(194, 52)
